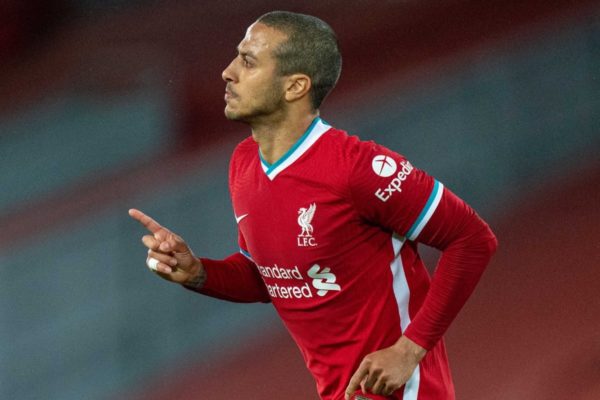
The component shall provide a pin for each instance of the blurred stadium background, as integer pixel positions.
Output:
(107, 105)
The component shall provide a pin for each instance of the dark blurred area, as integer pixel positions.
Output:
(107, 105)
(26, 25)
(108, 46)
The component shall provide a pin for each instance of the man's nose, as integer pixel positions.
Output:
(227, 73)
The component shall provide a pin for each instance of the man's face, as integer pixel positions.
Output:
(254, 89)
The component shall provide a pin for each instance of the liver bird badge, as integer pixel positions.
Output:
(305, 217)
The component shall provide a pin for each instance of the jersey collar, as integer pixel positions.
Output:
(316, 129)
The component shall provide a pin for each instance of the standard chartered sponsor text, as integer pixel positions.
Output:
(288, 292)
(280, 272)
(292, 289)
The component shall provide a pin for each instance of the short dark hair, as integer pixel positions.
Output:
(311, 48)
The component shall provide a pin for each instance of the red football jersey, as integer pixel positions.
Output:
(329, 235)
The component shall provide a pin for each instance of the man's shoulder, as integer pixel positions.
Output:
(337, 135)
(245, 150)
(350, 145)
(242, 155)
(339, 140)
(245, 146)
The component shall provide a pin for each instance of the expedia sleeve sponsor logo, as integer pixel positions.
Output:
(396, 184)
(384, 165)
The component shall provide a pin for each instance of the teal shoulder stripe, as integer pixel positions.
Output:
(244, 252)
(426, 208)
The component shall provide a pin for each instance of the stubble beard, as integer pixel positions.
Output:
(273, 102)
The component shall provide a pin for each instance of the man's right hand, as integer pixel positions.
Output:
(175, 260)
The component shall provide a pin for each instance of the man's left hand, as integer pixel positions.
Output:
(387, 370)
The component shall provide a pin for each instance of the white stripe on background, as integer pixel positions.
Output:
(402, 295)
(438, 189)
(411, 388)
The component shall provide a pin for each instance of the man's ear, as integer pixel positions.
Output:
(297, 86)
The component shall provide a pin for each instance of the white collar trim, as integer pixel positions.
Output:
(305, 142)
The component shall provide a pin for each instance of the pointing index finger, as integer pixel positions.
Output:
(145, 220)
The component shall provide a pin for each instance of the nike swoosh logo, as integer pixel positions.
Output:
(241, 217)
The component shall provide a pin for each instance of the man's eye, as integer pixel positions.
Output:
(246, 63)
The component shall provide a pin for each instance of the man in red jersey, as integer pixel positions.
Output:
(328, 228)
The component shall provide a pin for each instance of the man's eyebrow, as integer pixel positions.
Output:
(246, 53)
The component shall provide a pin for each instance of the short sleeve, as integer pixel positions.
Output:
(386, 189)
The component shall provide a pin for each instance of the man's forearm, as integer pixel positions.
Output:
(414, 350)
(458, 272)
(234, 279)
(198, 277)
(467, 245)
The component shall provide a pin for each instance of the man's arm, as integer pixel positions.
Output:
(467, 244)
(416, 206)
(169, 256)
(234, 279)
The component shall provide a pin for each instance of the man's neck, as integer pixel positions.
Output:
(275, 138)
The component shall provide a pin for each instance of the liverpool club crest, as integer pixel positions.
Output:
(305, 216)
